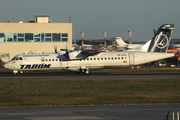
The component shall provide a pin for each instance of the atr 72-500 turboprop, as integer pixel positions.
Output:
(85, 60)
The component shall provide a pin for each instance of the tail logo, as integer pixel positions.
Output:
(163, 42)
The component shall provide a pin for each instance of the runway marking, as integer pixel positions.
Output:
(67, 118)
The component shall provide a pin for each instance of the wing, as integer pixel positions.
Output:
(87, 53)
(80, 54)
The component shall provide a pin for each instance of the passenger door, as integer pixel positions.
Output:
(42, 60)
(131, 58)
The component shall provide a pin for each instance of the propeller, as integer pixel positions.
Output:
(67, 52)
(55, 49)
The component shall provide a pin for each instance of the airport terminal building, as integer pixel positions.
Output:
(37, 36)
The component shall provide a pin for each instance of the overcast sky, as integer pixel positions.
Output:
(93, 17)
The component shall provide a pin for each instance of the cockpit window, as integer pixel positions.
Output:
(14, 58)
(17, 58)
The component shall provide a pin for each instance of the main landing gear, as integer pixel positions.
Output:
(15, 72)
(84, 71)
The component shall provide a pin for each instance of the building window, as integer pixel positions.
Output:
(7, 54)
(2, 54)
(42, 37)
(37, 37)
(33, 37)
(56, 37)
(48, 37)
(28, 37)
(64, 37)
(15, 37)
(20, 37)
(2, 37)
(20, 34)
(9, 37)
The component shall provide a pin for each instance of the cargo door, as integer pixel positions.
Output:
(64, 63)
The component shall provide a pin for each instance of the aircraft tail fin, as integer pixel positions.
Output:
(120, 42)
(160, 41)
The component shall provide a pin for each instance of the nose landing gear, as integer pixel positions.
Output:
(15, 72)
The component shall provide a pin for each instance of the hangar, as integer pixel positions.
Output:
(35, 36)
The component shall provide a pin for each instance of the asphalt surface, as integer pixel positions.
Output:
(124, 112)
(91, 76)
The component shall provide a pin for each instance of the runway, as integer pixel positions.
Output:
(91, 76)
(122, 112)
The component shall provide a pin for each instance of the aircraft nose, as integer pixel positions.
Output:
(6, 65)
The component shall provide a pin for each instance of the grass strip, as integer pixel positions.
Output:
(88, 92)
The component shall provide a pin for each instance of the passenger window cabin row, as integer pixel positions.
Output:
(89, 59)
(109, 58)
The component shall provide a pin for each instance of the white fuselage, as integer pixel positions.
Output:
(55, 61)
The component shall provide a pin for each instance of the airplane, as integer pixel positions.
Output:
(132, 47)
(83, 61)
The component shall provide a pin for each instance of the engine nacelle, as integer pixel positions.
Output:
(75, 55)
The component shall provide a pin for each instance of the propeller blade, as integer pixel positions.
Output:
(67, 52)
(55, 49)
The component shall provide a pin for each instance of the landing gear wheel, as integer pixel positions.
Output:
(86, 71)
(15, 72)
